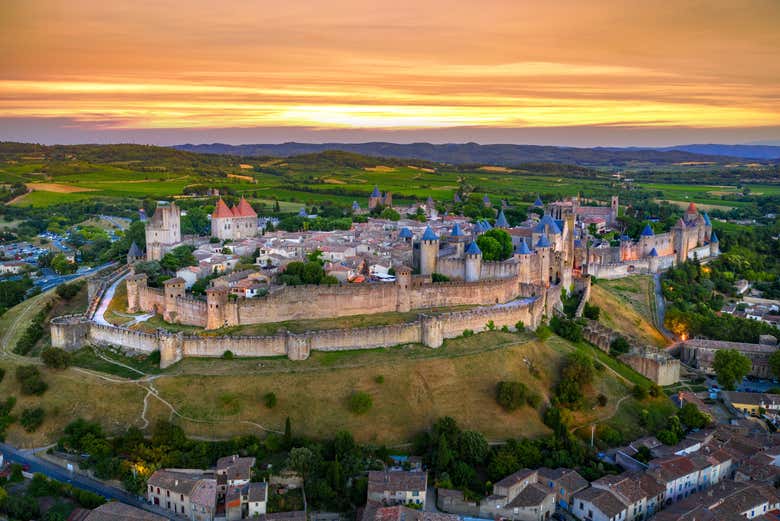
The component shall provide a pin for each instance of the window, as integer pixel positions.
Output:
(167, 493)
(182, 497)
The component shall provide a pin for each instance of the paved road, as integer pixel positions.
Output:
(106, 300)
(53, 471)
(660, 309)
(52, 282)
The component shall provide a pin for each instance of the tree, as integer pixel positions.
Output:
(774, 363)
(619, 346)
(55, 357)
(390, 214)
(496, 245)
(692, 417)
(270, 400)
(62, 266)
(178, 257)
(731, 367)
(287, 433)
(301, 460)
(473, 448)
(443, 455)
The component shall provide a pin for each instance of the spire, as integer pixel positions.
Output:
(302, 212)
(713, 237)
(647, 231)
(522, 248)
(653, 253)
(244, 209)
(429, 235)
(543, 242)
(501, 221)
(456, 231)
(473, 249)
(376, 193)
(221, 211)
(706, 218)
(405, 233)
(538, 203)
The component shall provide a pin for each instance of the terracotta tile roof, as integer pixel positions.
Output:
(515, 478)
(607, 502)
(380, 481)
(115, 511)
(244, 209)
(221, 211)
(532, 495)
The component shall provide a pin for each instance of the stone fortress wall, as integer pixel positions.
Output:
(316, 302)
(74, 331)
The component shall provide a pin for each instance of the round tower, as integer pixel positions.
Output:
(473, 263)
(543, 250)
(714, 245)
(523, 253)
(403, 281)
(429, 252)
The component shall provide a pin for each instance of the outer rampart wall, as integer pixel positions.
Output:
(74, 332)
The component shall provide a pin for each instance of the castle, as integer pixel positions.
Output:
(691, 237)
(239, 222)
(163, 231)
(377, 198)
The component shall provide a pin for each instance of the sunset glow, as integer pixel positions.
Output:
(400, 65)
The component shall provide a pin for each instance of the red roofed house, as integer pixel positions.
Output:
(239, 222)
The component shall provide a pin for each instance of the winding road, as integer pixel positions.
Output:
(660, 309)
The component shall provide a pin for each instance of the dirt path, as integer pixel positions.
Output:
(18, 197)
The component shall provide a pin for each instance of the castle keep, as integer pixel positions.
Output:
(163, 231)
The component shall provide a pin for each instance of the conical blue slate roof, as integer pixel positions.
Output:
(713, 237)
(538, 203)
(522, 248)
(647, 231)
(653, 253)
(501, 221)
(473, 249)
(706, 219)
(456, 198)
(543, 242)
(355, 205)
(302, 212)
(485, 199)
(547, 222)
(376, 193)
(456, 231)
(429, 235)
(487, 226)
(405, 233)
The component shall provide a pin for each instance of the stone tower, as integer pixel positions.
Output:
(163, 231)
(714, 245)
(135, 283)
(614, 209)
(403, 281)
(173, 289)
(523, 253)
(429, 252)
(216, 300)
(473, 263)
(543, 250)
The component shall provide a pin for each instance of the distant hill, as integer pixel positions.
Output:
(761, 152)
(474, 153)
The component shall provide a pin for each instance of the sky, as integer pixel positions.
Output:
(578, 73)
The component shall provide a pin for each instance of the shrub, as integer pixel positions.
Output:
(2, 374)
(566, 328)
(533, 399)
(31, 419)
(609, 435)
(505, 328)
(270, 400)
(438, 277)
(29, 377)
(511, 395)
(655, 390)
(68, 291)
(227, 355)
(543, 332)
(639, 392)
(591, 312)
(619, 346)
(360, 402)
(379, 379)
(32, 334)
(602, 400)
(490, 325)
(467, 333)
(55, 358)
(520, 326)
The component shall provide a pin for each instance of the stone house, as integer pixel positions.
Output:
(628, 488)
(246, 501)
(185, 494)
(233, 471)
(519, 497)
(564, 482)
(397, 487)
(679, 475)
(599, 504)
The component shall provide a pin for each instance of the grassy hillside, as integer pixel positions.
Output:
(627, 305)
